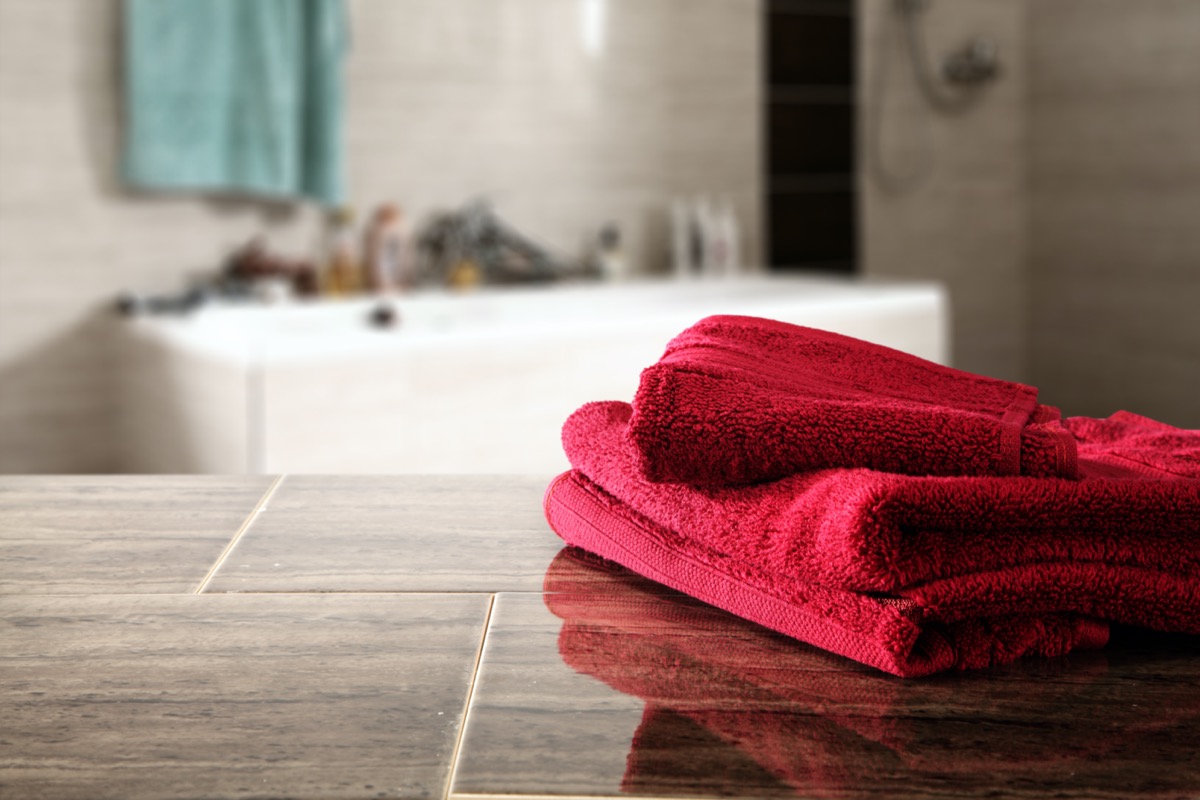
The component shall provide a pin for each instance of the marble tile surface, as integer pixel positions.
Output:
(601, 693)
(535, 726)
(595, 683)
(219, 696)
(110, 534)
(397, 533)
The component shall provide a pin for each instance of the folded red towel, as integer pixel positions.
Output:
(893, 570)
(740, 400)
(1132, 445)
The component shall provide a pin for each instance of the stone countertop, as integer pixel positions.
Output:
(304, 636)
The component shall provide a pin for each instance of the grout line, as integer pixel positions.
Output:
(462, 727)
(246, 523)
(354, 592)
(572, 796)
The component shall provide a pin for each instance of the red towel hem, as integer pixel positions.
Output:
(573, 511)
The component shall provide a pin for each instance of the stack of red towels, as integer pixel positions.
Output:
(904, 514)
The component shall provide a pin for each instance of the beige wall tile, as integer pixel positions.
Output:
(964, 222)
(1115, 160)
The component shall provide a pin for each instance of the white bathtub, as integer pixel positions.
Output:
(475, 383)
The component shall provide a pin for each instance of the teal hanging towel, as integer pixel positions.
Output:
(235, 96)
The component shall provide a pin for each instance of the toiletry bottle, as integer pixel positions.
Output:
(385, 251)
(697, 236)
(681, 251)
(732, 239)
(609, 257)
(712, 242)
(341, 268)
(464, 276)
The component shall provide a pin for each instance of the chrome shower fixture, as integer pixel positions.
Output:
(968, 69)
(973, 64)
(957, 87)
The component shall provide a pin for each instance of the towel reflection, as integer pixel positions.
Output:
(730, 706)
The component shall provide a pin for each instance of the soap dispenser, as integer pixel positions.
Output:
(609, 257)
(386, 260)
(340, 267)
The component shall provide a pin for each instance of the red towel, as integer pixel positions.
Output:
(740, 400)
(772, 713)
(906, 573)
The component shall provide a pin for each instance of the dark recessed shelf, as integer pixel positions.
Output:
(809, 183)
(839, 267)
(812, 226)
(802, 139)
(811, 95)
(832, 8)
(810, 49)
(810, 108)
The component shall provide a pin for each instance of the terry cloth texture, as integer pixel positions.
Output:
(750, 696)
(740, 400)
(912, 575)
(234, 96)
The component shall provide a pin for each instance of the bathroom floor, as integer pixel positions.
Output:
(428, 636)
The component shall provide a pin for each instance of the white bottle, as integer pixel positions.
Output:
(609, 256)
(681, 239)
(731, 234)
(710, 249)
(698, 236)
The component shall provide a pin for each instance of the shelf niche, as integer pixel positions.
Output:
(810, 141)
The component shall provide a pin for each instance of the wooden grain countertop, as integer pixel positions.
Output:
(303, 636)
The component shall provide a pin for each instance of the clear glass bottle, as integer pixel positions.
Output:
(342, 275)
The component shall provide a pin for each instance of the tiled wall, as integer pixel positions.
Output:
(564, 125)
(962, 218)
(515, 99)
(1115, 133)
(1060, 211)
